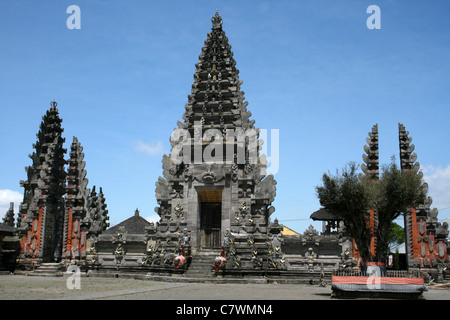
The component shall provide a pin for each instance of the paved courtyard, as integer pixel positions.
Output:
(18, 287)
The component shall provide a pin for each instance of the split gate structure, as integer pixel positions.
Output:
(58, 213)
(426, 238)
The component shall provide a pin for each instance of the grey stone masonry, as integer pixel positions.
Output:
(214, 183)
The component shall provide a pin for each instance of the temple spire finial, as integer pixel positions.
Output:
(53, 104)
(217, 21)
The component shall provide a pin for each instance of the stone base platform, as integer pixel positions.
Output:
(377, 287)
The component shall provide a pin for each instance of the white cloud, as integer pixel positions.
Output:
(150, 149)
(7, 196)
(153, 218)
(438, 180)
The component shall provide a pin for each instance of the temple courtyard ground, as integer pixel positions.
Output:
(21, 287)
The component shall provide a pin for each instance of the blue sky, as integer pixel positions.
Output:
(311, 69)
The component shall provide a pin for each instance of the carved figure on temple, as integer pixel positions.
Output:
(219, 263)
(119, 253)
(179, 261)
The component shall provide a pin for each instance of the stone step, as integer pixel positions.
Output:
(49, 265)
(48, 269)
(202, 263)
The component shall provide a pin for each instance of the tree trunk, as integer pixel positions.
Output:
(374, 269)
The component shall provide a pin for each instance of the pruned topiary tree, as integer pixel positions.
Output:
(353, 195)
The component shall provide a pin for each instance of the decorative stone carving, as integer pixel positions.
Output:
(119, 253)
(8, 220)
(179, 211)
(310, 257)
(371, 158)
(276, 258)
(309, 235)
(120, 238)
(209, 177)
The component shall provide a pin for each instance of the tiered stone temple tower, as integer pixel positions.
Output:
(57, 214)
(215, 188)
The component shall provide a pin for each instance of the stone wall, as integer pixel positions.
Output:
(311, 251)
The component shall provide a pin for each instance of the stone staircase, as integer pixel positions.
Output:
(48, 269)
(202, 263)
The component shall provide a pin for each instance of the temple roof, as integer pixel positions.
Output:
(133, 225)
(5, 229)
(216, 99)
(325, 215)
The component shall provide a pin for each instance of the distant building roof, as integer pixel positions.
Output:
(325, 214)
(289, 232)
(133, 225)
(400, 247)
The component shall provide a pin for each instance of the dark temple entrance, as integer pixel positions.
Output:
(210, 218)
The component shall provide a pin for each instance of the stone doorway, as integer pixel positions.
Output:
(210, 218)
(210, 224)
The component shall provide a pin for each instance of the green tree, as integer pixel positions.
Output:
(352, 195)
(396, 234)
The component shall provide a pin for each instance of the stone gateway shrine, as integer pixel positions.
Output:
(214, 199)
(214, 183)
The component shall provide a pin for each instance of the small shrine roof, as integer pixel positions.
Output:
(133, 225)
(325, 215)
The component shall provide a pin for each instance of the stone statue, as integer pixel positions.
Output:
(217, 21)
(119, 254)
(226, 237)
(179, 262)
(219, 263)
(310, 257)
